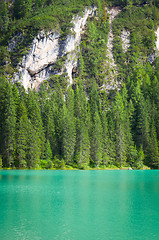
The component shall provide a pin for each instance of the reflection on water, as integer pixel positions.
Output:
(80, 205)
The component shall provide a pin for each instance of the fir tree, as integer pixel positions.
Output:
(19, 9)
(21, 137)
(94, 102)
(152, 158)
(82, 148)
(119, 117)
(141, 157)
(131, 151)
(4, 18)
(69, 130)
(58, 102)
(34, 114)
(33, 152)
(107, 156)
(48, 152)
(143, 120)
(1, 162)
(155, 102)
(96, 140)
(49, 125)
(8, 123)
(39, 3)
(22, 8)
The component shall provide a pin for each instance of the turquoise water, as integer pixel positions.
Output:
(79, 205)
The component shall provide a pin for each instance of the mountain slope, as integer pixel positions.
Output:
(94, 66)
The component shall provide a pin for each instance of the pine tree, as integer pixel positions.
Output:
(94, 102)
(39, 3)
(155, 102)
(21, 144)
(48, 155)
(19, 9)
(43, 96)
(1, 162)
(21, 137)
(8, 123)
(58, 102)
(143, 120)
(131, 151)
(107, 156)
(112, 135)
(152, 158)
(96, 140)
(4, 18)
(47, 107)
(82, 154)
(69, 130)
(119, 117)
(82, 148)
(140, 159)
(49, 125)
(48, 152)
(146, 85)
(22, 8)
(34, 114)
(33, 152)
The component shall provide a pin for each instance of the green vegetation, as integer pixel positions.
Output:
(81, 126)
(41, 130)
(22, 20)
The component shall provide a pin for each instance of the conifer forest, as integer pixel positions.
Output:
(107, 115)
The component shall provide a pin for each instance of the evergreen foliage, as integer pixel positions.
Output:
(81, 125)
(69, 129)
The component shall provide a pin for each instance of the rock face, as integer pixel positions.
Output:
(125, 37)
(111, 79)
(152, 56)
(46, 48)
(44, 51)
(113, 12)
(157, 39)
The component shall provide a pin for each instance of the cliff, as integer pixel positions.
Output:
(47, 48)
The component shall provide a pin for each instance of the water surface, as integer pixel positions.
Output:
(79, 205)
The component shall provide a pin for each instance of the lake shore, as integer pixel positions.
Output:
(73, 168)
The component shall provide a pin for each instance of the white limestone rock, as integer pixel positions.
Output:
(24, 77)
(152, 56)
(111, 78)
(44, 51)
(73, 41)
(157, 39)
(125, 37)
(113, 12)
(47, 48)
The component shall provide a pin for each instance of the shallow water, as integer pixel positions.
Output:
(79, 205)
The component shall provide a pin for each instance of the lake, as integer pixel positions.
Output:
(79, 205)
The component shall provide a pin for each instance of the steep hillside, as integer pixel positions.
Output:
(79, 83)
